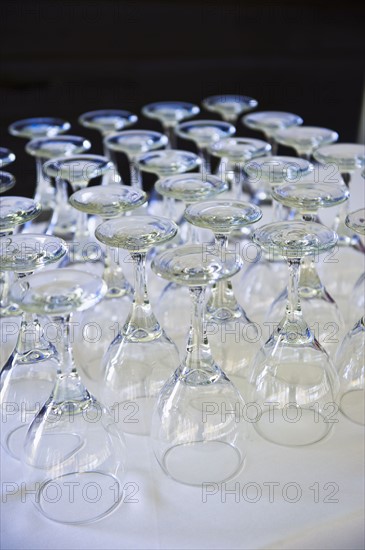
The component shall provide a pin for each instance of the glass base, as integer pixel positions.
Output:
(202, 462)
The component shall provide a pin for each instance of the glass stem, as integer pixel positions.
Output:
(170, 133)
(197, 349)
(135, 174)
(274, 145)
(222, 297)
(113, 275)
(67, 363)
(339, 223)
(205, 157)
(293, 307)
(141, 323)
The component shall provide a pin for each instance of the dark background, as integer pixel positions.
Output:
(65, 57)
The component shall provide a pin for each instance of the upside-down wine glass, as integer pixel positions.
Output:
(346, 158)
(73, 443)
(293, 381)
(172, 307)
(229, 106)
(234, 152)
(349, 360)
(14, 211)
(269, 122)
(170, 113)
(108, 202)
(197, 433)
(166, 163)
(264, 174)
(204, 133)
(32, 128)
(78, 170)
(29, 373)
(63, 221)
(108, 121)
(233, 338)
(134, 143)
(141, 357)
(319, 308)
(305, 139)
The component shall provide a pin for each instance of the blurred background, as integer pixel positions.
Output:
(64, 57)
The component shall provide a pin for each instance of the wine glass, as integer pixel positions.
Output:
(172, 307)
(108, 121)
(233, 338)
(319, 308)
(293, 382)
(7, 181)
(234, 152)
(107, 202)
(170, 113)
(29, 373)
(266, 173)
(204, 133)
(166, 163)
(63, 219)
(14, 211)
(229, 106)
(134, 143)
(269, 122)
(78, 170)
(350, 356)
(346, 158)
(195, 439)
(6, 157)
(141, 357)
(73, 442)
(305, 139)
(31, 128)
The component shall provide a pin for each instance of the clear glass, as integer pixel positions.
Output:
(173, 304)
(204, 133)
(269, 122)
(266, 173)
(229, 106)
(29, 373)
(346, 157)
(63, 218)
(196, 435)
(107, 202)
(350, 356)
(305, 139)
(166, 163)
(14, 211)
(234, 339)
(108, 121)
(78, 170)
(234, 152)
(73, 442)
(134, 143)
(170, 113)
(319, 308)
(293, 381)
(141, 357)
(30, 129)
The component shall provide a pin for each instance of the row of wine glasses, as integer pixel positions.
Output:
(183, 398)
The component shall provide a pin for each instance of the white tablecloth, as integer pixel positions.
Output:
(309, 497)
